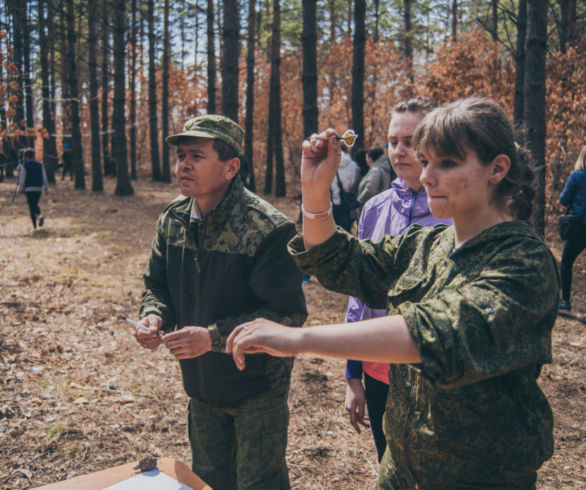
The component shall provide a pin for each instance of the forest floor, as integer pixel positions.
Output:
(78, 395)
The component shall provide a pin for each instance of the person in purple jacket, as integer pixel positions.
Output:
(387, 213)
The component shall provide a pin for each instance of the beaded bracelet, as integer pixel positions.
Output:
(317, 216)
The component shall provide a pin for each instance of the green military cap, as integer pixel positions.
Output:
(211, 126)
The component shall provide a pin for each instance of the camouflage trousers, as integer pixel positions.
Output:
(241, 446)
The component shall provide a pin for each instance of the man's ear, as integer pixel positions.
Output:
(499, 168)
(232, 168)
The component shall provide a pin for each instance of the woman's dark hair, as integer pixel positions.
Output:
(479, 124)
(374, 153)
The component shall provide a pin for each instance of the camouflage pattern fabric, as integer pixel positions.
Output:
(228, 268)
(241, 446)
(211, 126)
(471, 413)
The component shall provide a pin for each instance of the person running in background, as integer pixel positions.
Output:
(470, 307)
(574, 196)
(387, 213)
(32, 179)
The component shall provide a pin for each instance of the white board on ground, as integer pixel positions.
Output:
(149, 480)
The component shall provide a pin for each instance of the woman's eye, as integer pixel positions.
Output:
(392, 143)
(448, 163)
(423, 163)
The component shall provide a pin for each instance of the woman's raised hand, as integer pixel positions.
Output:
(320, 159)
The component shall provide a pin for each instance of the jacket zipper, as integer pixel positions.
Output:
(411, 206)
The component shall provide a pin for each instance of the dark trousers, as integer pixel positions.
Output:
(241, 445)
(33, 206)
(376, 393)
(572, 249)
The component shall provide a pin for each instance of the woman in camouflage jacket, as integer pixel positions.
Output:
(470, 308)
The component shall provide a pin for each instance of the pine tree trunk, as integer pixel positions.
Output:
(358, 70)
(76, 145)
(106, 89)
(518, 103)
(567, 24)
(166, 174)
(132, 74)
(332, 6)
(123, 185)
(26, 59)
(309, 76)
(211, 54)
(154, 128)
(248, 174)
(49, 144)
(535, 111)
(97, 183)
(15, 8)
(494, 4)
(455, 21)
(407, 43)
(280, 185)
(230, 56)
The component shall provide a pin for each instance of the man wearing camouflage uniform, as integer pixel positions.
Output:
(219, 259)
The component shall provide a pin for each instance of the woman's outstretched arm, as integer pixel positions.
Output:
(383, 339)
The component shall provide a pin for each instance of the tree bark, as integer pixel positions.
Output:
(230, 55)
(166, 174)
(535, 111)
(309, 76)
(108, 170)
(358, 69)
(76, 144)
(49, 145)
(494, 20)
(274, 139)
(332, 6)
(519, 103)
(97, 183)
(123, 185)
(132, 109)
(455, 21)
(248, 174)
(153, 125)
(567, 26)
(26, 58)
(211, 54)
(407, 43)
(16, 10)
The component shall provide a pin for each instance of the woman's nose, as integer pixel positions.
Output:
(426, 177)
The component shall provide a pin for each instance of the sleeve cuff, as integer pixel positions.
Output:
(315, 256)
(218, 344)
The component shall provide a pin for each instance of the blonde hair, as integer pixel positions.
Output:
(581, 161)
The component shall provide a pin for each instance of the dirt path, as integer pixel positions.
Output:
(77, 394)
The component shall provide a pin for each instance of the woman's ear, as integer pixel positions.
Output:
(499, 168)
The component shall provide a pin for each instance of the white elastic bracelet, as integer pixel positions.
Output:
(317, 216)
